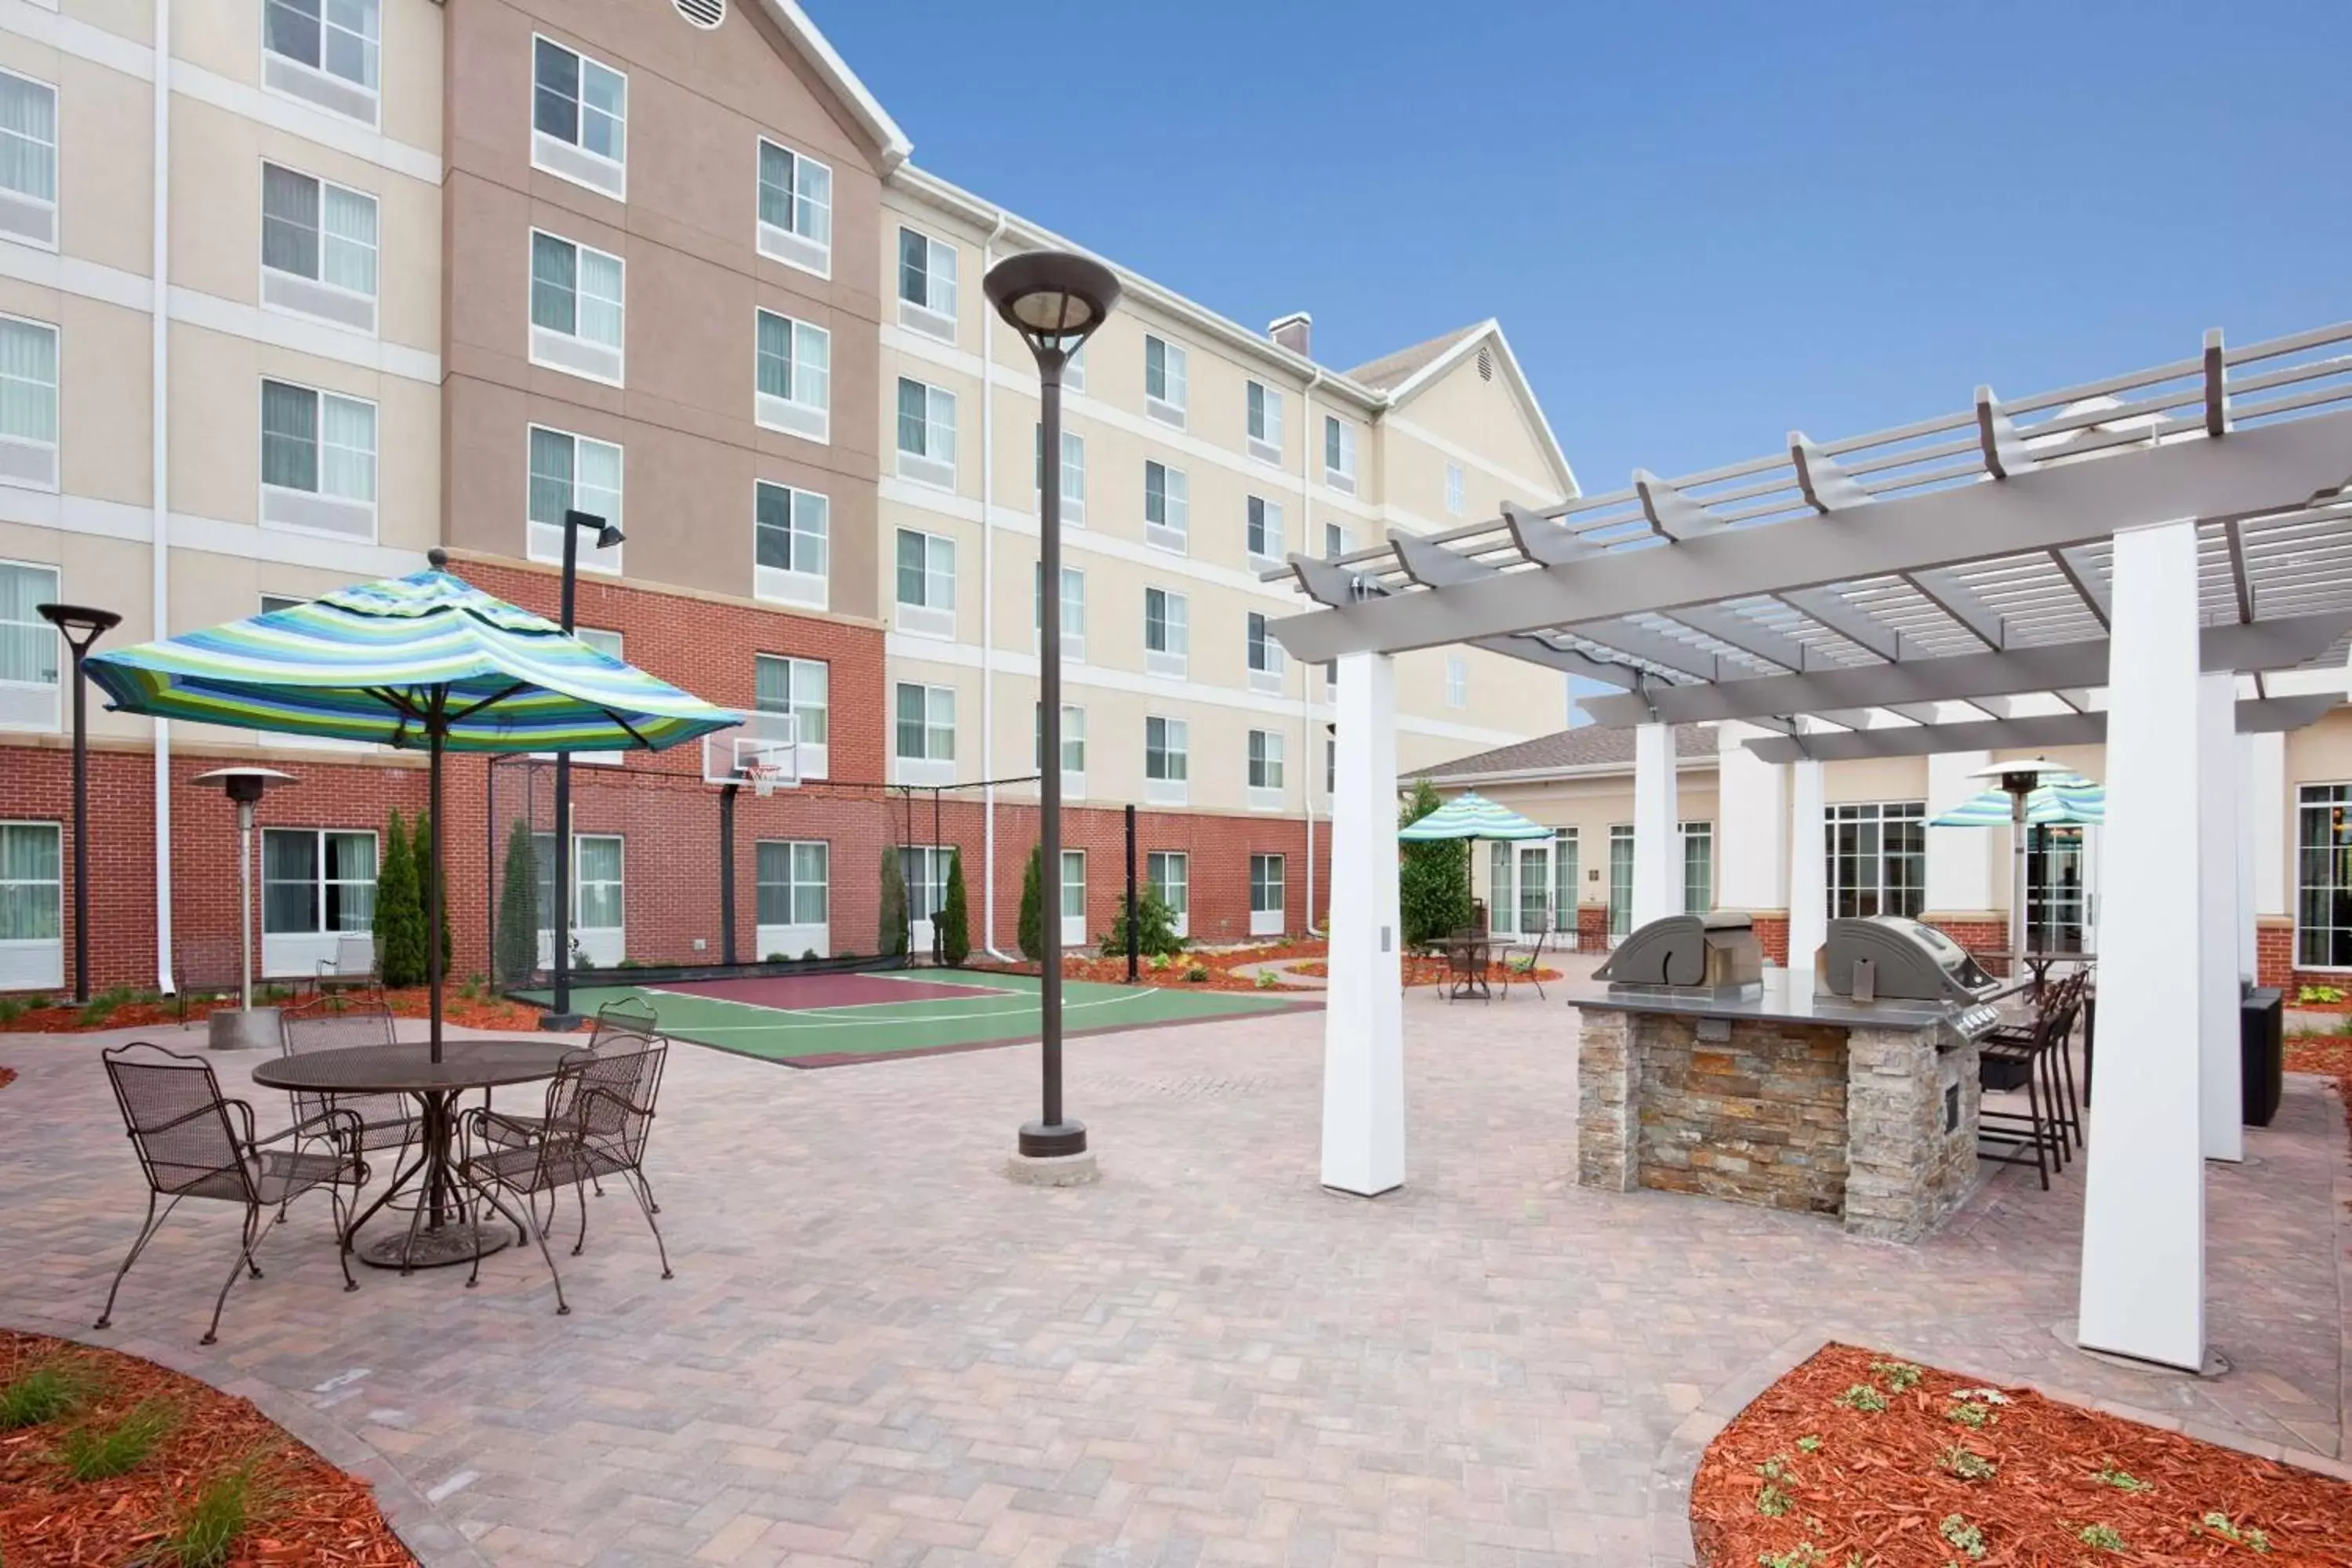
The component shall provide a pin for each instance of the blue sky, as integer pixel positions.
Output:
(1702, 225)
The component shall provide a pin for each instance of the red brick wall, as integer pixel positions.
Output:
(1592, 928)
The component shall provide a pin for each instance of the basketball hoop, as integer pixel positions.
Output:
(764, 777)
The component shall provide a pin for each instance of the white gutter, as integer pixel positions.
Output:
(160, 356)
(1307, 713)
(988, 609)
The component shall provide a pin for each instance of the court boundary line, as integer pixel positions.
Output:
(821, 1061)
(843, 1008)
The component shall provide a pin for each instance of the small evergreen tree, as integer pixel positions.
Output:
(1155, 926)
(1433, 878)
(955, 918)
(399, 929)
(890, 928)
(518, 935)
(1031, 931)
(420, 853)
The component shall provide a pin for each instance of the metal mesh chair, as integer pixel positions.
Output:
(356, 965)
(599, 1118)
(626, 1023)
(335, 1024)
(2027, 1056)
(193, 1144)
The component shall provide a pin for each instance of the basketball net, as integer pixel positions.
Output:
(764, 777)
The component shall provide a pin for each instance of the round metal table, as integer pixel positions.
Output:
(440, 1232)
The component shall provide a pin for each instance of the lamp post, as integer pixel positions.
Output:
(80, 625)
(559, 1014)
(1054, 301)
(247, 1027)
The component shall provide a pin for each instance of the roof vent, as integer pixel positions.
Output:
(1485, 354)
(1294, 332)
(702, 13)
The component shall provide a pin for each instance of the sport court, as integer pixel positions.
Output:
(828, 1020)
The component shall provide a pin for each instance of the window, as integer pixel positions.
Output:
(927, 285)
(1074, 371)
(1264, 655)
(1074, 477)
(1167, 512)
(1262, 532)
(1169, 875)
(1457, 681)
(802, 687)
(1336, 541)
(1699, 868)
(926, 733)
(28, 647)
(1167, 640)
(32, 911)
(316, 881)
(1073, 898)
(1269, 890)
(1877, 859)
(318, 461)
(1565, 866)
(791, 532)
(1456, 491)
(576, 306)
(1264, 770)
(1166, 760)
(325, 52)
(1330, 763)
(1074, 745)
(2057, 902)
(1620, 880)
(28, 403)
(927, 431)
(2322, 877)
(795, 209)
(794, 376)
(926, 585)
(28, 159)
(1265, 422)
(317, 250)
(596, 881)
(925, 868)
(572, 473)
(1074, 610)
(793, 876)
(1339, 455)
(1163, 381)
(579, 119)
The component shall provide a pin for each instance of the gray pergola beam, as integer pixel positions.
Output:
(2271, 468)
(2035, 734)
(1841, 616)
(2078, 570)
(1961, 678)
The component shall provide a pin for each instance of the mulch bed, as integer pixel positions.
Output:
(308, 1514)
(413, 1002)
(1802, 1478)
(1219, 962)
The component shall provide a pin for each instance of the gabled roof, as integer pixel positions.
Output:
(1585, 749)
(1392, 370)
(1421, 366)
(867, 110)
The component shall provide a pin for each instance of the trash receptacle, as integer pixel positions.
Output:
(2261, 1053)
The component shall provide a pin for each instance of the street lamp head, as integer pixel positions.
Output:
(1054, 298)
(81, 625)
(607, 535)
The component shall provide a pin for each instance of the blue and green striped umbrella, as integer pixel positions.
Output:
(2063, 800)
(1472, 816)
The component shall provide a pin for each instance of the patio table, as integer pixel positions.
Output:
(439, 1234)
(1480, 954)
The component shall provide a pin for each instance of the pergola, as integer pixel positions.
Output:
(1959, 584)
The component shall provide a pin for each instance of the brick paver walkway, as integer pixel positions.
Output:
(878, 1351)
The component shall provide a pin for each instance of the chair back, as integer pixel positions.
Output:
(624, 1018)
(173, 1108)
(354, 956)
(606, 1100)
(334, 1024)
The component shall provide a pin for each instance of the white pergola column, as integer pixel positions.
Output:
(2220, 850)
(1751, 825)
(1363, 1016)
(1657, 832)
(2143, 1275)
(1809, 888)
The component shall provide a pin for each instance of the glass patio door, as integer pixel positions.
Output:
(2056, 890)
(1535, 888)
(1621, 881)
(1566, 870)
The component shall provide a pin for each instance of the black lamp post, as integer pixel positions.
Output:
(1054, 301)
(80, 625)
(559, 1014)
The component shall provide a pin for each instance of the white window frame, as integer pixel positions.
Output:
(1339, 469)
(1073, 607)
(1458, 489)
(289, 76)
(1269, 893)
(1883, 893)
(25, 461)
(1261, 654)
(1457, 681)
(1156, 866)
(935, 314)
(574, 352)
(574, 160)
(38, 962)
(309, 295)
(1073, 476)
(934, 614)
(289, 952)
(1265, 775)
(1072, 926)
(2315, 794)
(1172, 529)
(795, 936)
(287, 509)
(1074, 370)
(935, 465)
(807, 531)
(1262, 422)
(1073, 734)
(1686, 837)
(1337, 540)
(789, 243)
(37, 706)
(1173, 656)
(1169, 405)
(811, 718)
(1262, 516)
(537, 547)
(930, 768)
(1173, 756)
(795, 413)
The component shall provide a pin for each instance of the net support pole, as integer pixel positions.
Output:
(1134, 935)
(726, 873)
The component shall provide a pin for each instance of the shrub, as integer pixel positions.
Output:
(94, 1453)
(208, 1527)
(776, 958)
(1266, 980)
(1432, 879)
(43, 1393)
(891, 922)
(1197, 972)
(1155, 929)
(1030, 933)
(518, 934)
(399, 920)
(101, 1007)
(808, 954)
(420, 855)
(955, 917)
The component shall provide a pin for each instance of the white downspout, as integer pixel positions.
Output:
(988, 606)
(160, 318)
(1306, 682)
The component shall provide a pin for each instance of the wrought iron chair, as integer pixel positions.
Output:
(599, 1118)
(356, 965)
(2024, 1056)
(1525, 958)
(334, 1024)
(193, 1144)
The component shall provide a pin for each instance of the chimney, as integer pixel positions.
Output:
(1294, 332)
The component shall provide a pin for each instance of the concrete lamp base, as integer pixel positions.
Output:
(1077, 1170)
(245, 1029)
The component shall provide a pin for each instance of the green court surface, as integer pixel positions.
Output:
(831, 1020)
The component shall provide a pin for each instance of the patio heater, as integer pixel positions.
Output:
(80, 625)
(249, 1027)
(559, 1014)
(1055, 299)
(2018, 779)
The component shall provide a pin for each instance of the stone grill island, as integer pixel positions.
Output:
(1850, 1091)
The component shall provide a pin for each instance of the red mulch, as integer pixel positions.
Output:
(1220, 965)
(310, 1514)
(413, 1002)
(2328, 1055)
(1875, 1491)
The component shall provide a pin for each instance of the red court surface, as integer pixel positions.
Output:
(802, 992)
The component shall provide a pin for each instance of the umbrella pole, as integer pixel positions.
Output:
(435, 727)
(2017, 903)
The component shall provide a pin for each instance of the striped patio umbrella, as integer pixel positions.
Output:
(1472, 816)
(426, 661)
(2062, 802)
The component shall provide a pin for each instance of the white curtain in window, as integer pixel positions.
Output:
(346, 449)
(810, 875)
(554, 283)
(550, 476)
(29, 883)
(600, 297)
(599, 481)
(348, 259)
(812, 365)
(599, 880)
(289, 881)
(28, 381)
(28, 645)
(289, 222)
(28, 138)
(775, 355)
(290, 437)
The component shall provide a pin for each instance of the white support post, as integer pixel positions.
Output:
(1751, 831)
(1808, 887)
(2143, 1267)
(1657, 830)
(1363, 1016)
(2218, 851)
